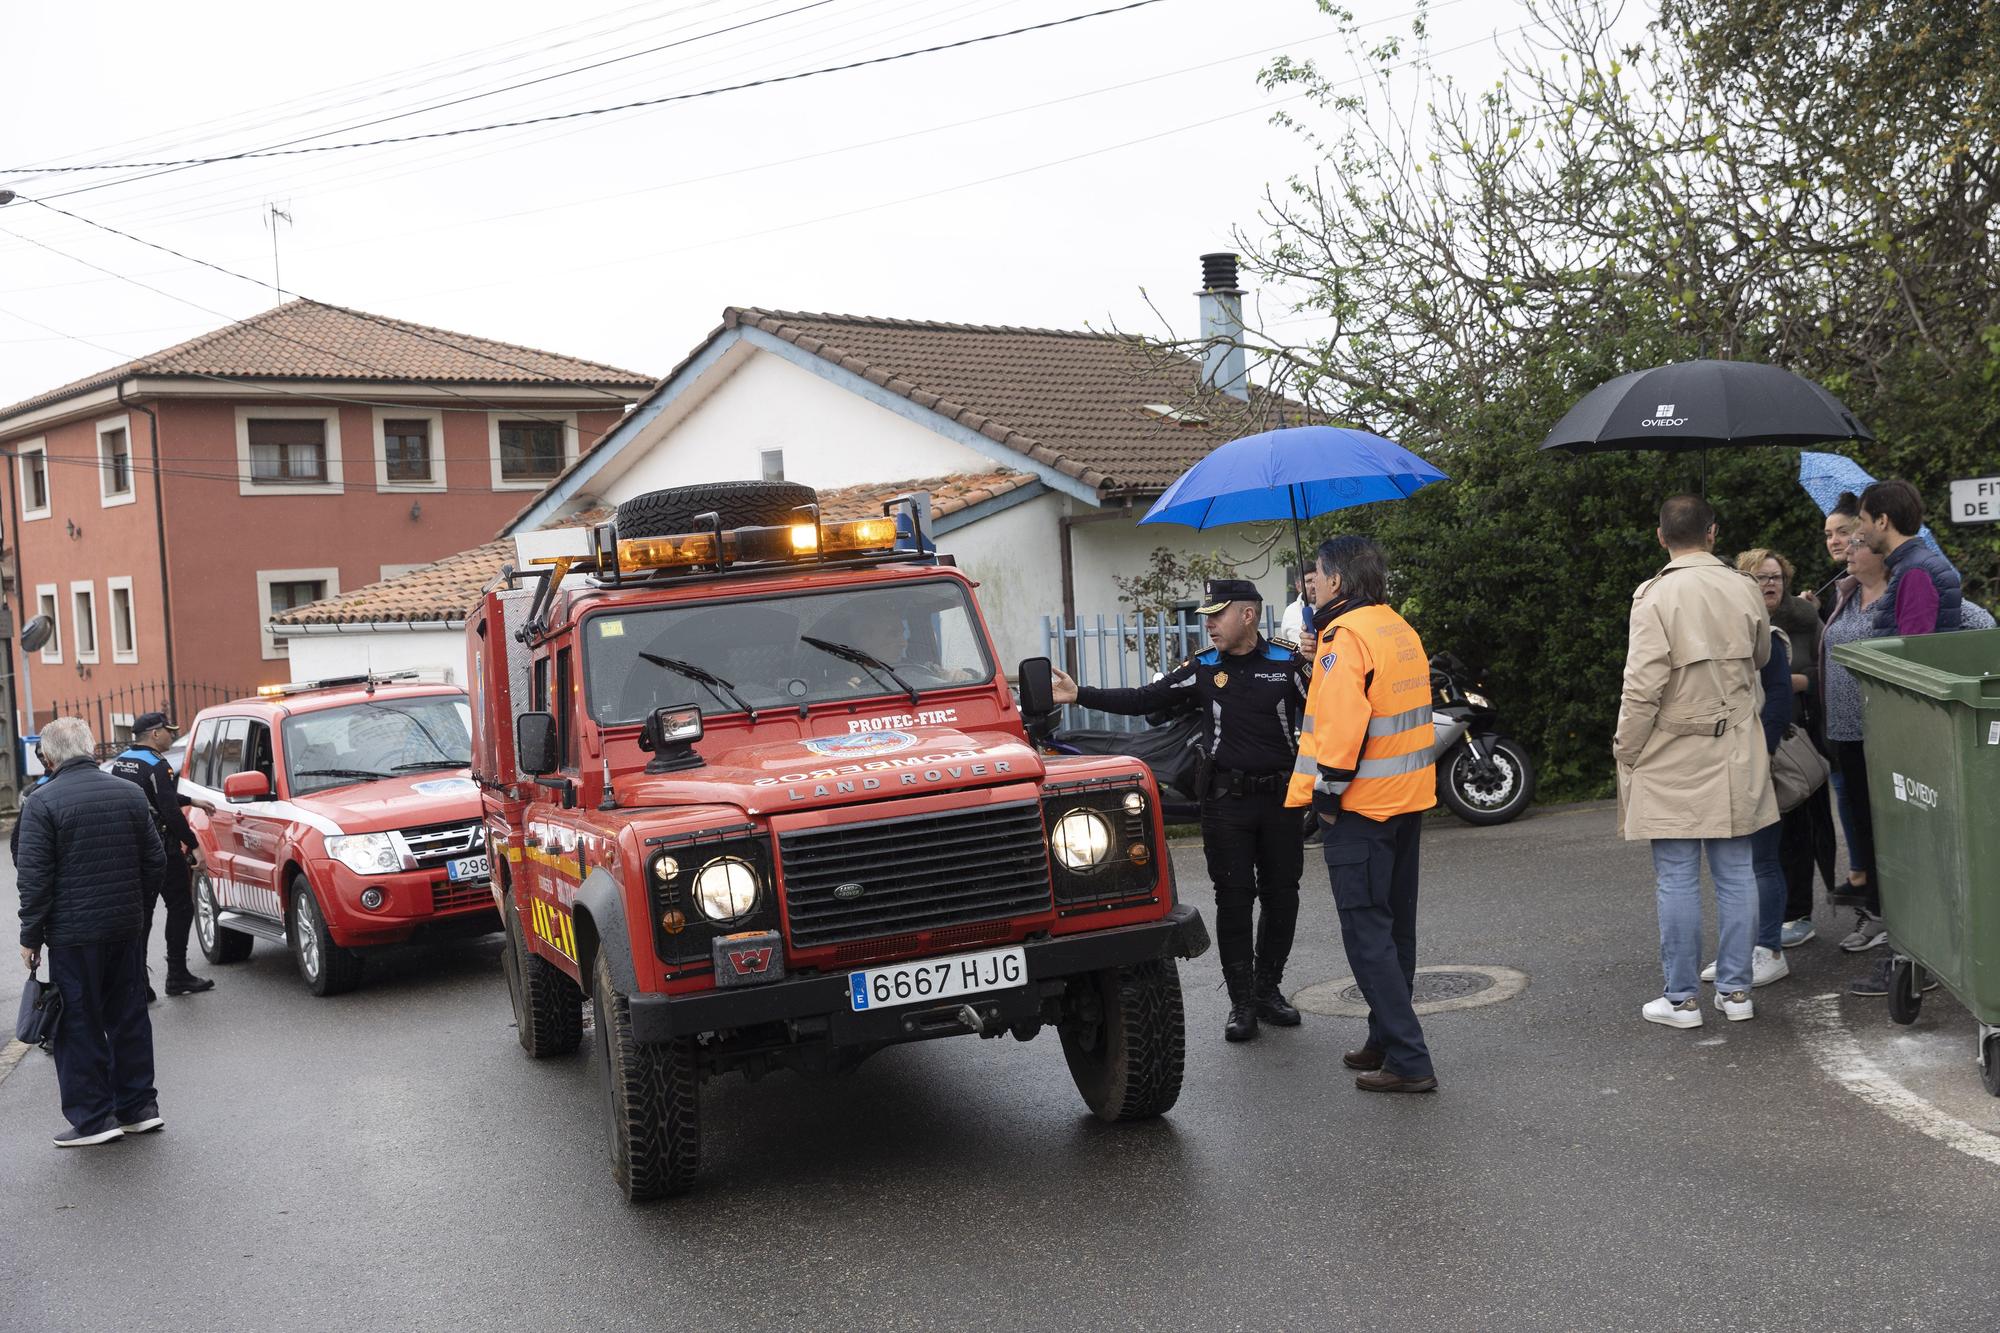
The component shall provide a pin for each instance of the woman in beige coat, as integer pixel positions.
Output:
(1693, 773)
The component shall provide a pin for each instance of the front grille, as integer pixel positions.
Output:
(438, 843)
(455, 897)
(916, 873)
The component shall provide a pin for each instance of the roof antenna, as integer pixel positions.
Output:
(272, 217)
(610, 801)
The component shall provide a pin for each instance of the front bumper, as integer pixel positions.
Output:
(411, 900)
(825, 999)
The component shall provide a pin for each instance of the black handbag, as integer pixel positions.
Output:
(41, 1012)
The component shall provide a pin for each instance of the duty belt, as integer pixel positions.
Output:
(1235, 782)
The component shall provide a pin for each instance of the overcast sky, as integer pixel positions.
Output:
(621, 237)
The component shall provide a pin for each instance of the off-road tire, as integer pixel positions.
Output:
(651, 1100)
(219, 944)
(338, 970)
(737, 503)
(548, 1006)
(1127, 1061)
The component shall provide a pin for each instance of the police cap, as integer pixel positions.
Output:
(146, 722)
(1219, 593)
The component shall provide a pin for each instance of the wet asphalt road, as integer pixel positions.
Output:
(390, 1159)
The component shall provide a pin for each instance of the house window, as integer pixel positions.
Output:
(406, 449)
(34, 481)
(46, 604)
(282, 590)
(114, 459)
(83, 608)
(774, 464)
(530, 451)
(287, 451)
(124, 632)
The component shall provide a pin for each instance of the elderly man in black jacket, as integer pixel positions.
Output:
(87, 860)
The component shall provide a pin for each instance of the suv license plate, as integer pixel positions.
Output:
(937, 978)
(468, 867)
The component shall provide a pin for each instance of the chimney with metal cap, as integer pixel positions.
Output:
(1222, 359)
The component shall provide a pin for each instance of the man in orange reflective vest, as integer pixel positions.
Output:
(1365, 768)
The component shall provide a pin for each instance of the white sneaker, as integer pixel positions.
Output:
(1735, 1005)
(1686, 1014)
(1766, 966)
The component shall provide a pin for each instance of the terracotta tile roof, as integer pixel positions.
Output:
(309, 340)
(1083, 403)
(447, 589)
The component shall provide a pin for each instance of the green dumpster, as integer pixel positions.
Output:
(1931, 714)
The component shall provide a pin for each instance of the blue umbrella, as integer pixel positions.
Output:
(1298, 472)
(1825, 476)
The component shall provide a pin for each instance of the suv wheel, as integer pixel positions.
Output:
(651, 1100)
(548, 1006)
(326, 968)
(736, 503)
(219, 944)
(1125, 1040)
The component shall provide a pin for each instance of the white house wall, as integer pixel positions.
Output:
(830, 438)
(320, 656)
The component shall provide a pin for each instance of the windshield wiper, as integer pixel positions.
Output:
(366, 773)
(432, 763)
(706, 679)
(861, 657)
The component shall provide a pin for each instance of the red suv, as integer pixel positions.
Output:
(333, 817)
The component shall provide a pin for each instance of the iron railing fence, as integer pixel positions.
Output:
(1121, 651)
(110, 712)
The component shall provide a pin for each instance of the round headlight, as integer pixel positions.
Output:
(1082, 840)
(1134, 802)
(665, 867)
(725, 889)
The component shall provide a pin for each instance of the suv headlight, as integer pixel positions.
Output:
(1081, 840)
(365, 853)
(726, 889)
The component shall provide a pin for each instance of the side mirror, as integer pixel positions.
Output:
(240, 787)
(535, 743)
(1038, 687)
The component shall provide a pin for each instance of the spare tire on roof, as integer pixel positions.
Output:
(740, 504)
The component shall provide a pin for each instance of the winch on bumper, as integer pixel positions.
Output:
(827, 998)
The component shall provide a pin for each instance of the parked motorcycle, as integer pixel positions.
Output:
(1483, 777)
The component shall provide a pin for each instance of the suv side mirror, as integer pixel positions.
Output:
(1038, 687)
(241, 787)
(535, 743)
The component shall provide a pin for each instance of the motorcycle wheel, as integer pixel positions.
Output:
(1487, 794)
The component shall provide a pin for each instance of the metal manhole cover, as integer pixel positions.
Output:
(1438, 990)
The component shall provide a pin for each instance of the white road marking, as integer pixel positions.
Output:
(1839, 1056)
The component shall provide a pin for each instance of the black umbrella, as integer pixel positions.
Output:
(1704, 404)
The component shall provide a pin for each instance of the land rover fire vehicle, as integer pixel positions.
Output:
(755, 787)
(333, 817)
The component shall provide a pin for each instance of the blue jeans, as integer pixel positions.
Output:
(1677, 867)
(1769, 867)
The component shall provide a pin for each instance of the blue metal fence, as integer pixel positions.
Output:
(1121, 651)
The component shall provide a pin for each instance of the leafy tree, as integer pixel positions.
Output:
(1809, 183)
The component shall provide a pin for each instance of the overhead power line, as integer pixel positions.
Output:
(248, 154)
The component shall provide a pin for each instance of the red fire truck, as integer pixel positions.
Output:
(755, 787)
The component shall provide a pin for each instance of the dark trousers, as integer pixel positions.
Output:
(1253, 850)
(1373, 869)
(104, 1044)
(1860, 821)
(177, 892)
(1806, 837)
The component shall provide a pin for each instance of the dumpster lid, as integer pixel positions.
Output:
(1959, 666)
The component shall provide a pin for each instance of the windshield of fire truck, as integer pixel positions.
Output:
(385, 738)
(926, 632)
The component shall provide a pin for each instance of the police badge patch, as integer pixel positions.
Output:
(1221, 679)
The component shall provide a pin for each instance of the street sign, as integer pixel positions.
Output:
(1976, 500)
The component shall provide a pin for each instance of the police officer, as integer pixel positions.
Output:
(145, 765)
(1253, 692)
(1365, 768)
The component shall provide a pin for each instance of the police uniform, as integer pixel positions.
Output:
(1254, 703)
(156, 778)
(1365, 768)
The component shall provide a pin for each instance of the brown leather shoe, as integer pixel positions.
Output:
(1365, 1058)
(1384, 1081)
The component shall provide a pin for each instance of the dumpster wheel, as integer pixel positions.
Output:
(1989, 1065)
(1905, 1000)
